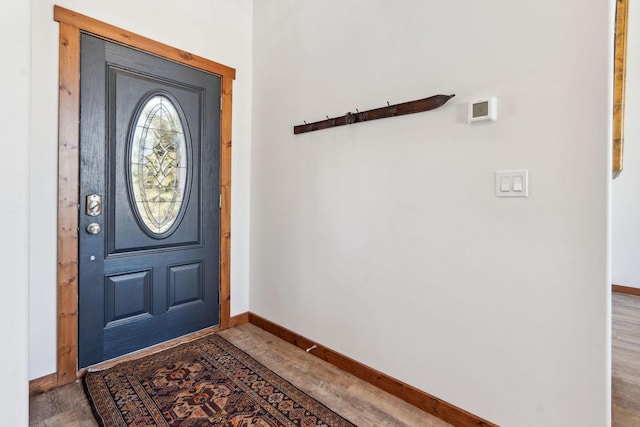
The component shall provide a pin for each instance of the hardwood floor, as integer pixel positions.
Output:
(354, 399)
(65, 406)
(626, 360)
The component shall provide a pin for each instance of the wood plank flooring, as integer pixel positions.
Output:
(65, 406)
(626, 360)
(354, 399)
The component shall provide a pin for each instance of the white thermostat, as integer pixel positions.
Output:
(483, 109)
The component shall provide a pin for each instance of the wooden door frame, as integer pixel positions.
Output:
(72, 24)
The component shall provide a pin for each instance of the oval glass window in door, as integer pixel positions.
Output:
(159, 165)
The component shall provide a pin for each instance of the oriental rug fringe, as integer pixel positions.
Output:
(206, 382)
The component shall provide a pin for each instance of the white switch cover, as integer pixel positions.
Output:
(505, 184)
(512, 183)
(518, 184)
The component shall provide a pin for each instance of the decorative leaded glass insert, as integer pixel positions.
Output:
(158, 164)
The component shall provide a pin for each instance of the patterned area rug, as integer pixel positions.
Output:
(207, 382)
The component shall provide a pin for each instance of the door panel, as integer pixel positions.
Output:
(128, 90)
(151, 273)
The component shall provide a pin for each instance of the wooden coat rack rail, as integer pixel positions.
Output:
(425, 104)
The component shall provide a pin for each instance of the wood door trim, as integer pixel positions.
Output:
(68, 187)
(431, 404)
(109, 32)
(71, 25)
(619, 84)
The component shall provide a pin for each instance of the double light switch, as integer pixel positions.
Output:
(513, 183)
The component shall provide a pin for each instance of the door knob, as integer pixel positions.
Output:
(93, 228)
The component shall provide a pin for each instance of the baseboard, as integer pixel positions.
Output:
(627, 290)
(239, 319)
(441, 409)
(43, 384)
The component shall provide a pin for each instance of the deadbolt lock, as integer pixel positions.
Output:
(94, 204)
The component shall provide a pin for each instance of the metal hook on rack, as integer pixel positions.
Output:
(350, 118)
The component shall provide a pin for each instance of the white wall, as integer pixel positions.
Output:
(626, 188)
(220, 30)
(384, 240)
(15, 33)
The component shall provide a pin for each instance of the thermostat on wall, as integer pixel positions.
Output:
(483, 109)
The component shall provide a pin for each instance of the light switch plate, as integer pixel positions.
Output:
(518, 183)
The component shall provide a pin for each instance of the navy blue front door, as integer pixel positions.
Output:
(149, 188)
